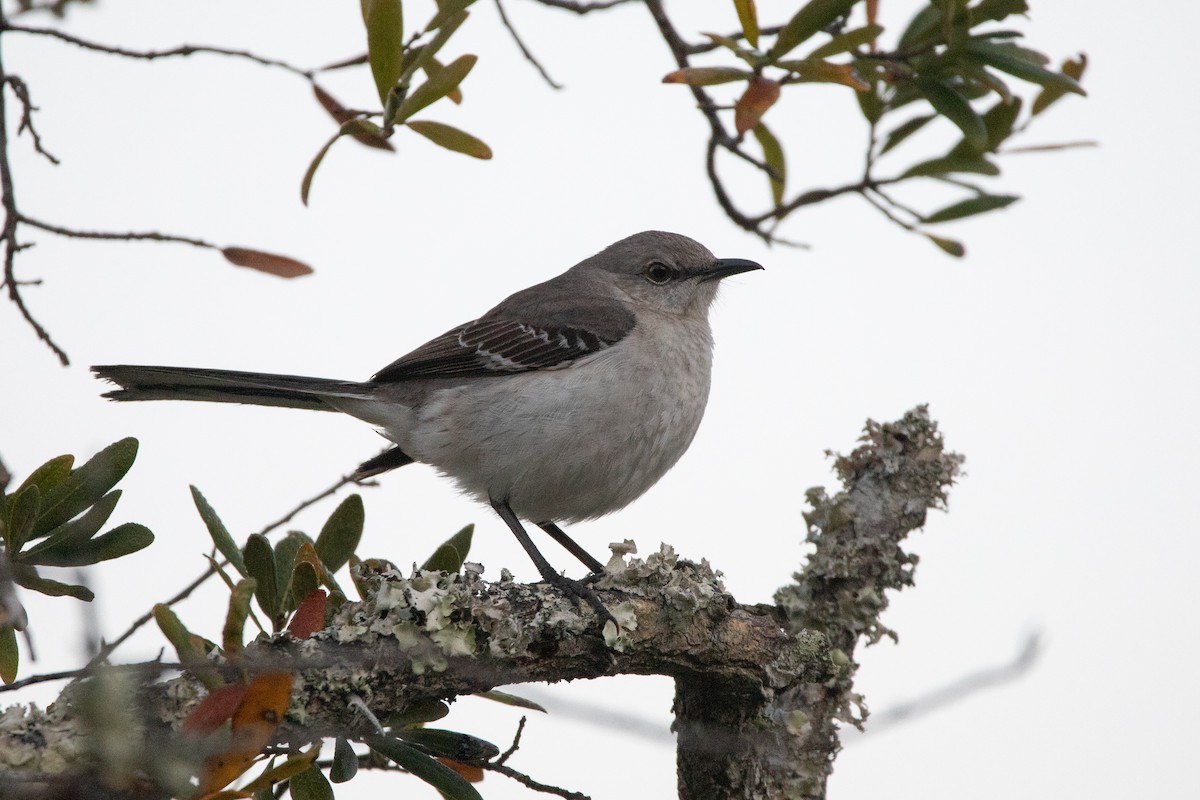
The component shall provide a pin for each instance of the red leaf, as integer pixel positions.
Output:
(270, 263)
(216, 707)
(759, 96)
(467, 772)
(310, 615)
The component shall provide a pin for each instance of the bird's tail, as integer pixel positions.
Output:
(227, 386)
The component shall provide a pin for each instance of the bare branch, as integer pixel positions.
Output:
(8, 234)
(525, 50)
(583, 8)
(22, 93)
(152, 55)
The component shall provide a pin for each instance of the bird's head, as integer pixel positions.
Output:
(664, 272)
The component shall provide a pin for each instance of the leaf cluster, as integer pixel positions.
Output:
(288, 581)
(950, 60)
(396, 65)
(54, 519)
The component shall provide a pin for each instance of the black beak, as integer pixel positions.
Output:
(724, 267)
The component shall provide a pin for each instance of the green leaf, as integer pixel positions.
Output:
(870, 105)
(996, 10)
(451, 138)
(1015, 61)
(707, 76)
(749, 56)
(305, 580)
(385, 42)
(773, 157)
(971, 206)
(845, 42)
(48, 475)
(450, 744)
(999, 121)
(449, 557)
(345, 761)
(433, 772)
(904, 130)
(120, 541)
(28, 577)
(310, 785)
(441, 84)
(924, 24)
(948, 245)
(86, 485)
(447, 10)
(219, 533)
(184, 643)
(972, 163)
(10, 655)
(748, 17)
(954, 107)
(260, 565)
(340, 535)
(425, 53)
(65, 538)
(235, 618)
(419, 712)
(511, 700)
(23, 511)
(811, 18)
(1072, 68)
(353, 127)
(285, 565)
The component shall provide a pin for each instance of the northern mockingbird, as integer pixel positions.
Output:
(564, 403)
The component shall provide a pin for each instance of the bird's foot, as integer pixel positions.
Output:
(580, 590)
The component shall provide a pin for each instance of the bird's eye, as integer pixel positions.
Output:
(658, 272)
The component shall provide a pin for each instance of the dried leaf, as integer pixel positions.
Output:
(707, 76)
(341, 115)
(212, 712)
(269, 263)
(255, 721)
(759, 96)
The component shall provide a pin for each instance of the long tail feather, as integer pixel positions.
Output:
(227, 386)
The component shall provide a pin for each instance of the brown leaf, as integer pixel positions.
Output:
(467, 772)
(759, 96)
(340, 114)
(254, 724)
(270, 263)
(216, 707)
(310, 615)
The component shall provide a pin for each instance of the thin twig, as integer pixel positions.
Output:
(516, 743)
(525, 50)
(152, 236)
(8, 234)
(22, 93)
(151, 55)
(530, 783)
(582, 8)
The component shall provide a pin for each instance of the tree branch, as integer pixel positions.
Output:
(759, 689)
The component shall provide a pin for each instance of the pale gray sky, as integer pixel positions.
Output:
(1060, 357)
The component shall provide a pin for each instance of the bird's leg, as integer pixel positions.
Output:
(576, 590)
(572, 547)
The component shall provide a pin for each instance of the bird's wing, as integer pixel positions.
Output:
(497, 346)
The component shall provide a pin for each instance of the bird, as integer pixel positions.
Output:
(563, 403)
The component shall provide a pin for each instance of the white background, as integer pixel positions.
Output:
(1060, 357)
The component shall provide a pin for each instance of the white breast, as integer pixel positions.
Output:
(571, 444)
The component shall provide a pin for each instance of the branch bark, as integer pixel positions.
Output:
(760, 690)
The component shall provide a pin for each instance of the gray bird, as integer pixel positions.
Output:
(563, 403)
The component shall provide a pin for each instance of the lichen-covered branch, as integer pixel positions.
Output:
(899, 472)
(760, 690)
